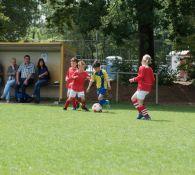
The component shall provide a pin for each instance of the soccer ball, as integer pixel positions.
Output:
(97, 107)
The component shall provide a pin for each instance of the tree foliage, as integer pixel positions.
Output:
(15, 18)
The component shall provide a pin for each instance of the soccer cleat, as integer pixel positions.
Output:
(85, 108)
(65, 109)
(147, 117)
(140, 116)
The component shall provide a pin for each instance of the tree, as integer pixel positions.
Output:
(17, 17)
(145, 18)
(127, 20)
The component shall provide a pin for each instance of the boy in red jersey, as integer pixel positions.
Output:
(77, 86)
(73, 68)
(145, 81)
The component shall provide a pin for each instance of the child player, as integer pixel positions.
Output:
(100, 76)
(73, 68)
(77, 86)
(145, 81)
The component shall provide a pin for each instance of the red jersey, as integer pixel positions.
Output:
(145, 78)
(69, 75)
(79, 81)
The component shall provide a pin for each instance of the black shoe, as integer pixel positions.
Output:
(85, 109)
(65, 109)
(140, 116)
(147, 117)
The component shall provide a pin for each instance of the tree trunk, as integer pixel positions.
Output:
(145, 15)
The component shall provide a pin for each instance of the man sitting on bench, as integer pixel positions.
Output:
(24, 78)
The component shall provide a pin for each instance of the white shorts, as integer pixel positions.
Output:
(68, 92)
(141, 94)
(75, 93)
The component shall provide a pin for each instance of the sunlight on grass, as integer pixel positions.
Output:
(39, 139)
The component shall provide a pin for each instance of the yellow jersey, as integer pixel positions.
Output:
(100, 78)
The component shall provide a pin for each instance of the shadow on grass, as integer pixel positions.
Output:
(157, 108)
(160, 121)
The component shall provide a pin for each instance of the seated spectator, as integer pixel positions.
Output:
(1, 76)
(24, 78)
(11, 73)
(43, 78)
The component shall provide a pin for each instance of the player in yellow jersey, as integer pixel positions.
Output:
(100, 76)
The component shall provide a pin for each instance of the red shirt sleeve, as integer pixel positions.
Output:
(140, 75)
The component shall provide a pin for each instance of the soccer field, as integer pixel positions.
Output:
(45, 140)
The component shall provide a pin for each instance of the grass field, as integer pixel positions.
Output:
(45, 140)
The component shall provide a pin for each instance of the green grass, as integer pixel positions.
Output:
(45, 140)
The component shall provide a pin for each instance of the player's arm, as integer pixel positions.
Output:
(92, 79)
(74, 76)
(139, 77)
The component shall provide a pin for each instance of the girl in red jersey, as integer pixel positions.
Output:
(73, 68)
(145, 81)
(77, 86)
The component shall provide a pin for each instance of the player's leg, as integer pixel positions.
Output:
(74, 100)
(134, 100)
(81, 99)
(141, 107)
(71, 97)
(101, 97)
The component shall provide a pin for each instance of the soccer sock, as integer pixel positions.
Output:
(135, 103)
(142, 110)
(102, 102)
(67, 104)
(74, 103)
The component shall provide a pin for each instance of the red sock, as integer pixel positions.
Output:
(74, 103)
(67, 104)
(142, 110)
(135, 103)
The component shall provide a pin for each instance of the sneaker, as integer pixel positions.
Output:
(65, 109)
(147, 117)
(85, 109)
(140, 116)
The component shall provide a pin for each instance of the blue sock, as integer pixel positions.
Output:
(102, 102)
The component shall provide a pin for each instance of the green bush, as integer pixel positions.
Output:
(124, 66)
(166, 76)
(193, 82)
